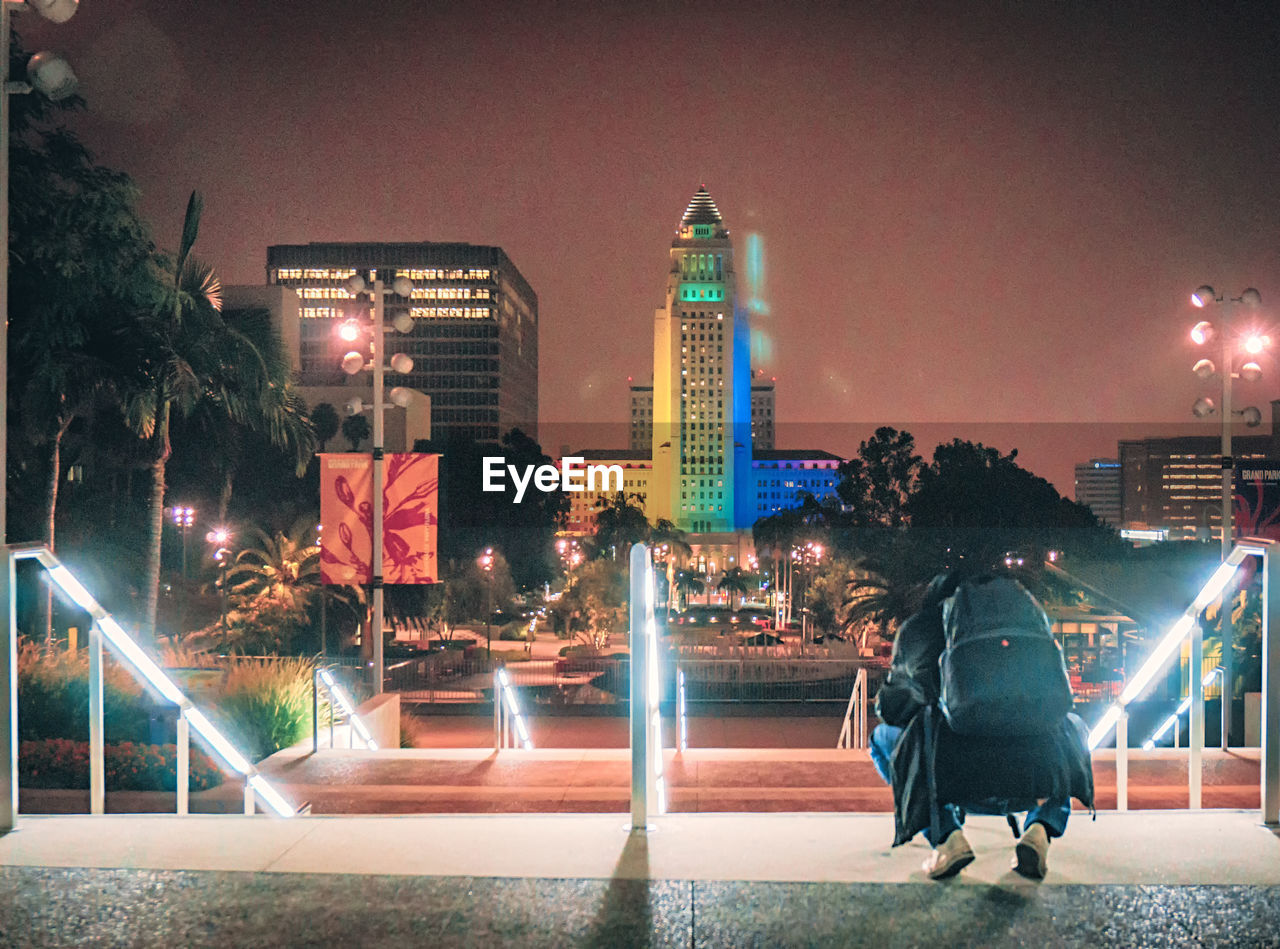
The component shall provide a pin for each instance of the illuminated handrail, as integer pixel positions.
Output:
(506, 713)
(853, 731)
(1172, 641)
(1172, 720)
(338, 696)
(133, 655)
(682, 713)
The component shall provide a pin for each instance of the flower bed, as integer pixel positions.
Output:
(129, 766)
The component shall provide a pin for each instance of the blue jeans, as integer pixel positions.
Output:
(1053, 813)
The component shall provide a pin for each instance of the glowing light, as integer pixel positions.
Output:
(1202, 332)
(271, 796)
(1254, 345)
(226, 751)
(348, 709)
(349, 331)
(1204, 296)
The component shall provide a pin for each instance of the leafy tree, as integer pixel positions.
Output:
(324, 419)
(665, 532)
(875, 484)
(355, 429)
(284, 568)
(472, 518)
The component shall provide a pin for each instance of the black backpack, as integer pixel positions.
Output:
(1002, 671)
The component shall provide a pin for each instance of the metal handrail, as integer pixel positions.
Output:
(508, 721)
(106, 627)
(1117, 716)
(853, 730)
(322, 677)
(1173, 720)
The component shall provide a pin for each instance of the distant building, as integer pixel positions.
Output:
(762, 416)
(404, 426)
(1098, 488)
(474, 340)
(1174, 485)
(780, 480)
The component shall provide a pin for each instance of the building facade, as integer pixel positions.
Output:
(701, 439)
(474, 340)
(1098, 488)
(1173, 486)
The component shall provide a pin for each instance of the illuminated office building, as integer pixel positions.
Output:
(701, 477)
(1098, 488)
(474, 340)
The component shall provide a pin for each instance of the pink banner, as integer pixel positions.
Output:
(410, 508)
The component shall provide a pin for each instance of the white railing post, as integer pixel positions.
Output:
(1122, 761)
(1195, 687)
(183, 776)
(97, 767)
(639, 707)
(497, 712)
(682, 714)
(1270, 685)
(249, 803)
(862, 709)
(9, 678)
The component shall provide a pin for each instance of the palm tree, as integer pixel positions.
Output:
(688, 584)
(187, 353)
(284, 568)
(735, 580)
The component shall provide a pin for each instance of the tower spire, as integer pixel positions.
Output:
(702, 209)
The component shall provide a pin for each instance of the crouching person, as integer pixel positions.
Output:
(976, 718)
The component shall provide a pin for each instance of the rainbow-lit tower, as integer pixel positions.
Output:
(702, 383)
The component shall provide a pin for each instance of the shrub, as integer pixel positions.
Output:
(53, 697)
(412, 730)
(514, 632)
(128, 766)
(265, 704)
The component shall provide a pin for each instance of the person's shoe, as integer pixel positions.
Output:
(950, 858)
(1031, 856)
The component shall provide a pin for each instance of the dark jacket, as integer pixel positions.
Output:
(981, 774)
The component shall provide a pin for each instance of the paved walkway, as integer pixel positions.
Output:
(1141, 879)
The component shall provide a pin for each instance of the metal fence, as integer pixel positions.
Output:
(450, 677)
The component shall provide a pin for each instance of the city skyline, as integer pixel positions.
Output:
(988, 218)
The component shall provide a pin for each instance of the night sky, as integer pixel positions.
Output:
(973, 217)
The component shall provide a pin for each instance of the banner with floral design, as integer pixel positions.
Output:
(410, 510)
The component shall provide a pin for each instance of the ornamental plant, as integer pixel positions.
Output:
(128, 766)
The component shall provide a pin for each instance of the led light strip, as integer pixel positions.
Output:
(128, 650)
(654, 745)
(683, 741)
(1186, 704)
(1172, 640)
(348, 709)
(513, 708)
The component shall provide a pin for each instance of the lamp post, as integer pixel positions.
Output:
(184, 518)
(222, 557)
(1250, 371)
(352, 363)
(53, 78)
(486, 564)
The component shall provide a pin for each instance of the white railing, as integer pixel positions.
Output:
(682, 713)
(648, 783)
(322, 677)
(1173, 721)
(106, 628)
(1117, 715)
(853, 730)
(508, 721)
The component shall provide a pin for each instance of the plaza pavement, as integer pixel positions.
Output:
(1171, 878)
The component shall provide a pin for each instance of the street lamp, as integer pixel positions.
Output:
(352, 363)
(1252, 344)
(486, 564)
(184, 518)
(219, 537)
